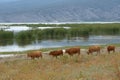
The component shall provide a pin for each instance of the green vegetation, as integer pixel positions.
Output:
(97, 29)
(76, 30)
(54, 33)
(6, 37)
(86, 29)
(79, 30)
(25, 37)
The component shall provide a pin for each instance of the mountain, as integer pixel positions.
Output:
(59, 10)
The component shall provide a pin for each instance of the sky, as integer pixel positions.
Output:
(1, 1)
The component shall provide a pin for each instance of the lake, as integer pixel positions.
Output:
(51, 43)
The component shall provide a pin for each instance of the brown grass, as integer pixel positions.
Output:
(83, 67)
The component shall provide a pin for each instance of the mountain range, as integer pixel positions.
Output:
(59, 10)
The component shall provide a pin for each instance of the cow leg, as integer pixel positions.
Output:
(61, 55)
(78, 53)
(109, 52)
(56, 57)
(91, 53)
(71, 55)
(99, 51)
(32, 57)
(41, 56)
(113, 51)
(38, 57)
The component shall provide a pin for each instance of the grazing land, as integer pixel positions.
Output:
(102, 66)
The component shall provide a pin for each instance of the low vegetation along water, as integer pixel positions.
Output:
(30, 37)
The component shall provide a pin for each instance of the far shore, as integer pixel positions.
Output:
(60, 22)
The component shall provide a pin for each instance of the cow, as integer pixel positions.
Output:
(56, 53)
(93, 49)
(34, 54)
(111, 48)
(72, 51)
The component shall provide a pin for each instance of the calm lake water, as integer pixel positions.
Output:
(74, 41)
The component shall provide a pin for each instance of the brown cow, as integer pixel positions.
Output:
(93, 49)
(72, 51)
(56, 53)
(111, 48)
(34, 54)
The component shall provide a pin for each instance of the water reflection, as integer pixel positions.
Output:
(29, 39)
(6, 42)
(92, 40)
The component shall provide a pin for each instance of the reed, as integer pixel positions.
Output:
(6, 37)
(75, 30)
(25, 37)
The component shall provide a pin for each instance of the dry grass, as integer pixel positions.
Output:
(83, 67)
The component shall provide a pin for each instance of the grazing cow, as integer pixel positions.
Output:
(56, 53)
(72, 51)
(93, 49)
(34, 54)
(111, 48)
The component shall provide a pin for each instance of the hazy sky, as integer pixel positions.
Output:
(1, 1)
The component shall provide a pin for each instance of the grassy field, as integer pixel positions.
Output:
(103, 66)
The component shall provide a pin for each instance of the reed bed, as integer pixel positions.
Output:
(75, 30)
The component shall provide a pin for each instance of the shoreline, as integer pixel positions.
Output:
(47, 50)
(96, 22)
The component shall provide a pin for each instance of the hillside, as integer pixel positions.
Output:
(59, 10)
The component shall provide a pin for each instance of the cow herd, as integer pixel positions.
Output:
(70, 51)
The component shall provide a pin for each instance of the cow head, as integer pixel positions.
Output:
(89, 51)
